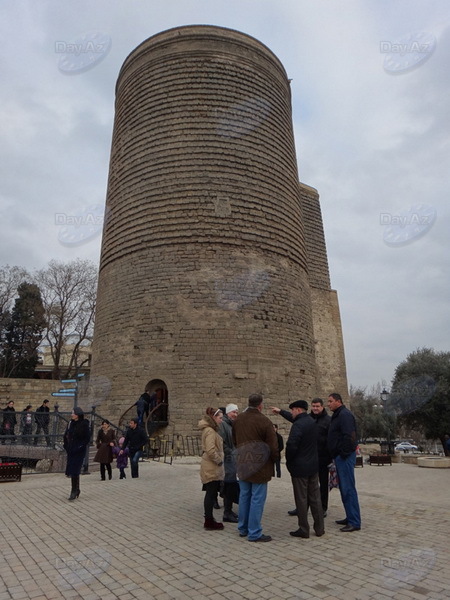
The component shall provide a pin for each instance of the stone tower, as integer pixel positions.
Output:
(213, 279)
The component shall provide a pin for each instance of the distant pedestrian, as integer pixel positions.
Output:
(105, 442)
(140, 409)
(302, 462)
(135, 439)
(26, 421)
(76, 440)
(257, 452)
(9, 422)
(211, 467)
(280, 450)
(42, 418)
(342, 443)
(121, 459)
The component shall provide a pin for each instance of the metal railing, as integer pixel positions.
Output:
(44, 442)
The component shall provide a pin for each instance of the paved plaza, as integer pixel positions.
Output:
(144, 538)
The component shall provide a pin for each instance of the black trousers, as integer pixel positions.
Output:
(107, 467)
(211, 490)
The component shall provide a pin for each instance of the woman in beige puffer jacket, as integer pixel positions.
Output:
(211, 468)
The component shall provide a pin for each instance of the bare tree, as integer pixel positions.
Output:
(68, 294)
(10, 279)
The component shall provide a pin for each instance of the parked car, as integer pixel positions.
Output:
(406, 447)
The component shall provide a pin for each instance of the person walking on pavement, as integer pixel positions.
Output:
(230, 483)
(135, 439)
(42, 418)
(342, 442)
(121, 459)
(257, 451)
(75, 441)
(105, 442)
(211, 467)
(302, 462)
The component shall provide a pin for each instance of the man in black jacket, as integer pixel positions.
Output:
(42, 418)
(302, 462)
(342, 442)
(135, 438)
(322, 420)
(9, 422)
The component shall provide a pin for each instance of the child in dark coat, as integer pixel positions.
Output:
(121, 459)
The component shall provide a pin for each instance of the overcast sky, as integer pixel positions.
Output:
(370, 89)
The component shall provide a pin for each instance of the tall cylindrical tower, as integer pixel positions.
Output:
(204, 284)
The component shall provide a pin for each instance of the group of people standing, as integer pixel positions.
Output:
(26, 420)
(242, 449)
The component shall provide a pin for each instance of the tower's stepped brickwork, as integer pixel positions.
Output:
(319, 275)
(203, 147)
(204, 279)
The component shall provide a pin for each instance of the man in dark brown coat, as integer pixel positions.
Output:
(257, 451)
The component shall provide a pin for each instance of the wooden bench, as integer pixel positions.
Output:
(10, 472)
(380, 459)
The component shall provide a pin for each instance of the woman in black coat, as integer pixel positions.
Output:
(76, 440)
(106, 439)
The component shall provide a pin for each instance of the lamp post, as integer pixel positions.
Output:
(384, 396)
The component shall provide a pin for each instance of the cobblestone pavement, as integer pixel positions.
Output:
(144, 538)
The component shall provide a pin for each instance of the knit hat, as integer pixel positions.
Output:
(230, 408)
(78, 411)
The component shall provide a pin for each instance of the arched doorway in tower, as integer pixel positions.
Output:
(159, 409)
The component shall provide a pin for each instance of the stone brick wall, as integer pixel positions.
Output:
(329, 344)
(30, 391)
(205, 269)
(332, 374)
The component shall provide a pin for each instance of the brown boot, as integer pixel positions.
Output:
(212, 524)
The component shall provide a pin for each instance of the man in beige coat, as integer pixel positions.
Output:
(257, 451)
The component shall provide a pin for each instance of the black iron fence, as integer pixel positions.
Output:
(38, 446)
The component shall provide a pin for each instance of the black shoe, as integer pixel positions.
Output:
(299, 533)
(348, 528)
(72, 496)
(342, 522)
(320, 534)
(217, 505)
(263, 538)
(243, 534)
(293, 513)
(229, 518)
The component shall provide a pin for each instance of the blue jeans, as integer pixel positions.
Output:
(135, 455)
(252, 498)
(345, 468)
